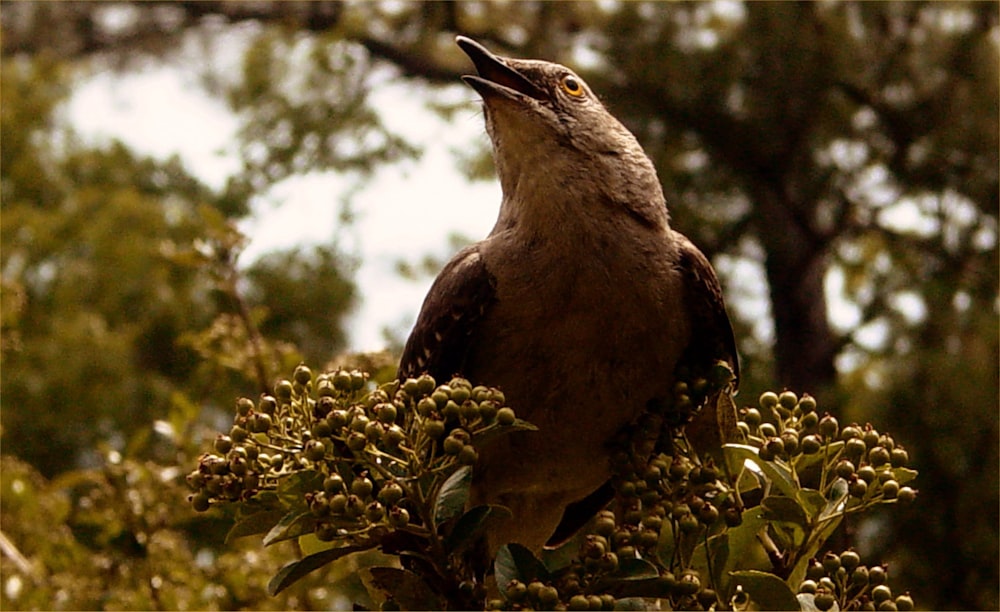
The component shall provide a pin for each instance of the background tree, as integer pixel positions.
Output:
(844, 155)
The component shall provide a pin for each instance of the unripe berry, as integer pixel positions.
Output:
(844, 469)
(283, 390)
(399, 517)
(904, 602)
(433, 428)
(338, 503)
(824, 601)
(452, 445)
(505, 416)
(223, 443)
(906, 495)
(243, 406)
(807, 403)
(810, 445)
(362, 487)
(768, 400)
(807, 586)
(828, 426)
(516, 590)
(788, 400)
(374, 512)
(302, 374)
(333, 483)
(548, 596)
(267, 404)
(881, 593)
(850, 560)
(468, 455)
(890, 489)
(899, 457)
(386, 413)
(767, 430)
(831, 562)
(878, 456)
(356, 441)
(752, 417)
(200, 501)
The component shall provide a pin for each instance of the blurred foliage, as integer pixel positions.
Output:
(832, 150)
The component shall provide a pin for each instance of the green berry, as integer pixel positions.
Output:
(374, 512)
(878, 456)
(890, 489)
(333, 483)
(810, 445)
(283, 390)
(807, 586)
(904, 602)
(824, 601)
(223, 443)
(243, 406)
(788, 400)
(752, 417)
(267, 404)
(807, 403)
(468, 455)
(362, 487)
(302, 374)
(399, 517)
(899, 457)
(850, 560)
(831, 562)
(390, 494)
(881, 593)
(768, 400)
(828, 426)
(516, 590)
(505, 416)
(386, 413)
(906, 495)
(844, 469)
(200, 501)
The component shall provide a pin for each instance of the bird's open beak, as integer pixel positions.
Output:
(495, 76)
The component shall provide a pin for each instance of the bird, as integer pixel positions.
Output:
(581, 304)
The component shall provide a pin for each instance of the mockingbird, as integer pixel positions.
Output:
(580, 304)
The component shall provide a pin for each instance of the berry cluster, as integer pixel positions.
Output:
(842, 580)
(872, 464)
(356, 463)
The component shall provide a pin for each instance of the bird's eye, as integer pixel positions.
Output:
(572, 85)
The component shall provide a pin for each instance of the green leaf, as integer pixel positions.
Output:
(812, 502)
(785, 510)
(903, 475)
(292, 525)
(405, 588)
(453, 496)
(718, 546)
(745, 550)
(291, 572)
(473, 524)
(779, 474)
(516, 562)
(495, 431)
(292, 489)
(256, 523)
(667, 544)
(766, 590)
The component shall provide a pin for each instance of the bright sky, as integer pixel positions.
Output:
(405, 211)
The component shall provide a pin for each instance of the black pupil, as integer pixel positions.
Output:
(571, 84)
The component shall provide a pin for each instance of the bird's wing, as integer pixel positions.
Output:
(456, 303)
(712, 336)
(712, 340)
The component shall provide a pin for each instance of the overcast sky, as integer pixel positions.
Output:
(406, 211)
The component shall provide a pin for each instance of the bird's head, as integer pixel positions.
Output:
(553, 136)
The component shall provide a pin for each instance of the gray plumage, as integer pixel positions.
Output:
(581, 302)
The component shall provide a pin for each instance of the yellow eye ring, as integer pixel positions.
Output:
(572, 85)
